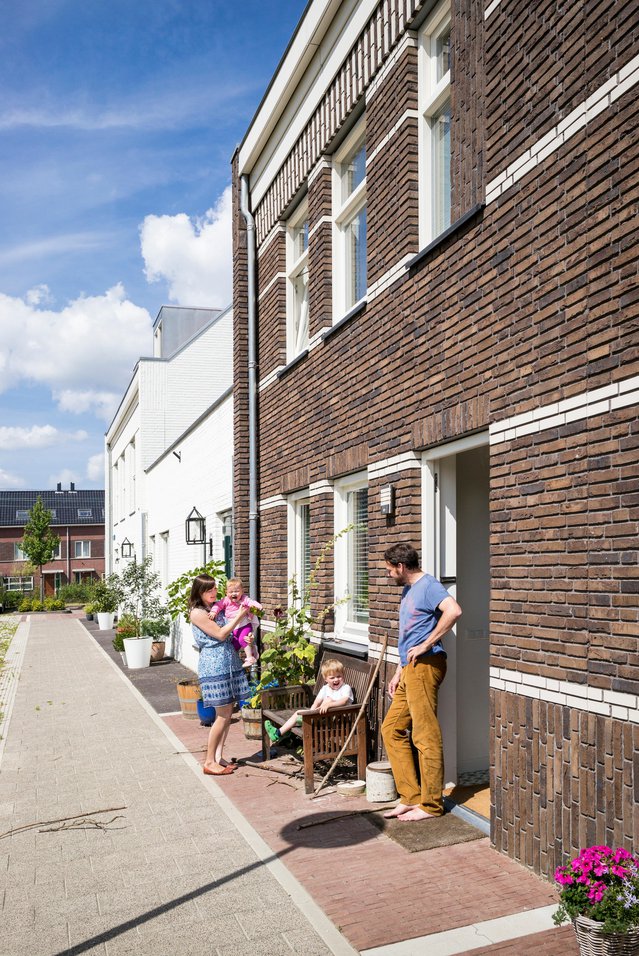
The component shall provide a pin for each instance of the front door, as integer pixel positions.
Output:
(455, 548)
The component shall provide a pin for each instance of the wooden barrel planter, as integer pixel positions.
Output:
(252, 721)
(188, 695)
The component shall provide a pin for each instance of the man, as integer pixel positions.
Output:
(427, 611)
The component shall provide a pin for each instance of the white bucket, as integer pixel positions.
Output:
(380, 785)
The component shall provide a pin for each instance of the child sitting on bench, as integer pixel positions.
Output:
(334, 693)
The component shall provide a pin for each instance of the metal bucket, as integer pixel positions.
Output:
(380, 785)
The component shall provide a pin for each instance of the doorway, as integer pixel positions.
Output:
(455, 548)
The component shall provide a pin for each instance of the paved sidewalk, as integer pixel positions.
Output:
(171, 868)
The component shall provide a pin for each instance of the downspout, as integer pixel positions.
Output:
(252, 383)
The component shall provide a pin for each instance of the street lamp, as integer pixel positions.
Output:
(195, 528)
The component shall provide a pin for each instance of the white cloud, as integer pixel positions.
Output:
(84, 353)
(40, 295)
(95, 468)
(194, 258)
(8, 481)
(39, 436)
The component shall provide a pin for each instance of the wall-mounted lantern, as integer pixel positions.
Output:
(195, 528)
(387, 500)
(126, 548)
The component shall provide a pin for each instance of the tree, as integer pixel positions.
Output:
(39, 543)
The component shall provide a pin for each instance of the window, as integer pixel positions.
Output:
(84, 512)
(18, 553)
(57, 554)
(18, 583)
(226, 522)
(297, 284)
(22, 515)
(349, 214)
(299, 541)
(351, 558)
(434, 98)
(82, 549)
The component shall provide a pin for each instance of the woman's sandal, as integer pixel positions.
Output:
(217, 773)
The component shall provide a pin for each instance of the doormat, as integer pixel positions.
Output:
(427, 835)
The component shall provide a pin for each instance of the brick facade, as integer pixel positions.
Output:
(527, 302)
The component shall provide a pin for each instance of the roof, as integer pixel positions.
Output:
(68, 507)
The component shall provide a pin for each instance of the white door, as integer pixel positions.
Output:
(455, 548)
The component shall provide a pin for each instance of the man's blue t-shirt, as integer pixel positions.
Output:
(419, 614)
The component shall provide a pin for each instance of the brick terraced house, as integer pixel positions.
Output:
(77, 518)
(436, 329)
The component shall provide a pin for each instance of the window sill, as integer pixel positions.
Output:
(287, 368)
(339, 646)
(356, 310)
(442, 237)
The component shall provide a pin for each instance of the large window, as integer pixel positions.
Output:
(349, 215)
(18, 553)
(351, 558)
(434, 98)
(18, 583)
(297, 284)
(82, 549)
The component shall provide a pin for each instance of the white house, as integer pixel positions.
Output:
(169, 449)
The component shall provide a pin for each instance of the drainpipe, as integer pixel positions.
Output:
(252, 383)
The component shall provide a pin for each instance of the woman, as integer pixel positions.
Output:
(222, 677)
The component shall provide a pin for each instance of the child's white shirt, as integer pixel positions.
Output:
(338, 693)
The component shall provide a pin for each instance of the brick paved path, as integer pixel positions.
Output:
(171, 874)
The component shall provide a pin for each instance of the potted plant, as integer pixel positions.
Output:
(138, 588)
(106, 597)
(127, 627)
(158, 629)
(89, 610)
(600, 894)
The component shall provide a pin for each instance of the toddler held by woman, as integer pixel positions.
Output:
(243, 636)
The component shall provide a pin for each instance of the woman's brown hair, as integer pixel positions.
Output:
(202, 583)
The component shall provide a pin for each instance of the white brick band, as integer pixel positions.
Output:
(586, 405)
(277, 501)
(491, 8)
(277, 230)
(389, 466)
(269, 285)
(600, 100)
(409, 114)
(593, 700)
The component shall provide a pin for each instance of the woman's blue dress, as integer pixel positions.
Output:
(222, 677)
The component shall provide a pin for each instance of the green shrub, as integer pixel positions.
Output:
(26, 604)
(78, 592)
(54, 604)
(37, 605)
(158, 630)
(11, 600)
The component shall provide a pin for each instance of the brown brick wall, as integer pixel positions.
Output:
(561, 780)
(240, 387)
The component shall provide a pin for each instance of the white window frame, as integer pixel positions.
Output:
(295, 522)
(79, 557)
(346, 208)
(297, 312)
(433, 96)
(17, 583)
(345, 626)
(18, 553)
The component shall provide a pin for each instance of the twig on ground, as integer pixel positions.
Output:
(45, 823)
(86, 823)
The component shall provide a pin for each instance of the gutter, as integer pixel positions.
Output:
(252, 382)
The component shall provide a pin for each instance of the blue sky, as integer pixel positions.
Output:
(118, 121)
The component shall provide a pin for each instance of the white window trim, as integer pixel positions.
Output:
(294, 530)
(296, 339)
(432, 96)
(18, 553)
(344, 627)
(344, 211)
(79, 557)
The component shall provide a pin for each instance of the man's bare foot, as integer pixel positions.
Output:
(400, 809)
(416, 813)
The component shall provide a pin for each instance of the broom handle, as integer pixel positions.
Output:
(357, 719)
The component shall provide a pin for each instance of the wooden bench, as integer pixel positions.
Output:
(322, 735)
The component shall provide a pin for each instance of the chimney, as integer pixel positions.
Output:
(72, 486)
(59, 488)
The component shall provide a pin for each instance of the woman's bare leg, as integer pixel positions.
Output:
(217, 736)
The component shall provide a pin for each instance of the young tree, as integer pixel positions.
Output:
(39, 543)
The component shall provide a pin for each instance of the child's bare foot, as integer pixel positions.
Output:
(416, 814)
(399, 810)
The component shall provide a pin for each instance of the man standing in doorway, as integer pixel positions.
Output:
(427, 612)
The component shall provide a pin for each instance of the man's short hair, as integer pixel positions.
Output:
(402, 554)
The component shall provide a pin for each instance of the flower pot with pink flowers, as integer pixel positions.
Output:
(600, 894)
